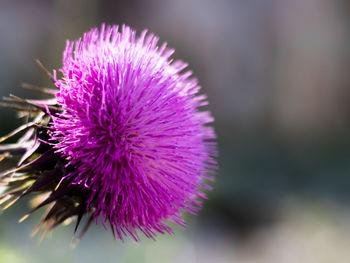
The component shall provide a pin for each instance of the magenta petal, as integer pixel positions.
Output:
(132, 130)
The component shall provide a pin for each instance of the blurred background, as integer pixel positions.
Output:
(276, 74)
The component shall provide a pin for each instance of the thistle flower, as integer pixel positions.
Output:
(123, 140)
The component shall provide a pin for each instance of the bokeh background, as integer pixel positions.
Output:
(277, 76)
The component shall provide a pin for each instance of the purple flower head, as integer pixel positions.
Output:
(128, 142)
(132, 130)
